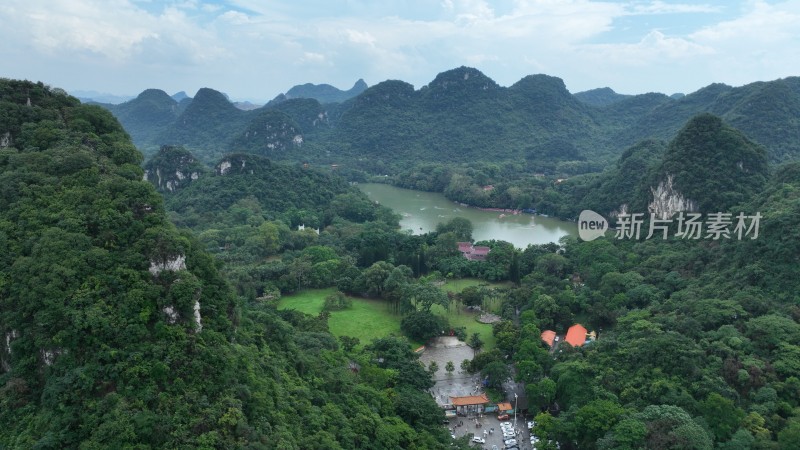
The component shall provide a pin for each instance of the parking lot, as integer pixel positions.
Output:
(488, 423)
(459, 384)
(456, 384)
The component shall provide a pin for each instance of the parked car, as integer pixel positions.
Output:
(531, 424)
(510, 442)
(479, 440)
(502, 417)
(510, 435)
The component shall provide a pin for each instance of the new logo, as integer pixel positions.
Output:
(591, 225)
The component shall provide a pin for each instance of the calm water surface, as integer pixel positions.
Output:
(421, 212)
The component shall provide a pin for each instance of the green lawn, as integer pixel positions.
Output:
(467, 320)
(367, 319)
(370, 319)
(458, 284)
(309, 301)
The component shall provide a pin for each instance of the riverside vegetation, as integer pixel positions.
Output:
(698, 348)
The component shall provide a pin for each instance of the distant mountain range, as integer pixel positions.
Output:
(461, 116)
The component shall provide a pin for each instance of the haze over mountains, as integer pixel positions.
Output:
(462, 115)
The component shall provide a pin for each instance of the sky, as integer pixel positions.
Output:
(256, 49)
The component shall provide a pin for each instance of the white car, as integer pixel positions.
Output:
(510, 442)
(478, 440)
(509, 436)
(531, 424)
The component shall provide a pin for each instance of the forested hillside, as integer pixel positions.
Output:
(461, 117)
(119, 332)
(325, 93)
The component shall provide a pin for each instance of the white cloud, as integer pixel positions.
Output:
(655, 47)
(660, 7)
(235, 17)
(360, 37)
(763, 24)
(312, 57)
(271, 46)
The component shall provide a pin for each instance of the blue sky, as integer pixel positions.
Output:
(256, 49)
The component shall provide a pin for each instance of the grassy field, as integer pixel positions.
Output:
(459, 284)
(369, 319)
(467, 320)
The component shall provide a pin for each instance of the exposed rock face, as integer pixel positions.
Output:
(5, 140)
(622, 210)
(49, 355)
(5, 357)
(197, 319)
(224, 167)
(172, 314)
(668, 201)
(172, 168)
(173, 264)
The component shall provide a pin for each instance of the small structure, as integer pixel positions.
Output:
(470, 404)
(549, 337)
(488, 187)
(505, 408)
(473, 253)
(303, 227)
(576, 335)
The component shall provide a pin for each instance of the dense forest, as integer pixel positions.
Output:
(139, 299)
(119, 331)
(535, 143)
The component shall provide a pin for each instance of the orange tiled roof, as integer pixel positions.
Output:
(504, 406)
(549, 337)
(576, 335)
(469, 400)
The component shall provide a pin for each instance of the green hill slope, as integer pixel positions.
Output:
(118, 331)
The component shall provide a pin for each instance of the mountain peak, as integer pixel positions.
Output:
(600, 96)
(154, 94)
(713, 165)
(207, 97)
(178, 96)
(462, 76)
(325, 93)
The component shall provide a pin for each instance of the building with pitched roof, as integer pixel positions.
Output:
(470, 404)
(472, 252)
(549, 337)
(576, 335)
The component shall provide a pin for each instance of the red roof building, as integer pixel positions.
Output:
(549, 337)
(472, 252)
(469, 400)
(576, 335)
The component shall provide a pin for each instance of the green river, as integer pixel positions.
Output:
(421, 212)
